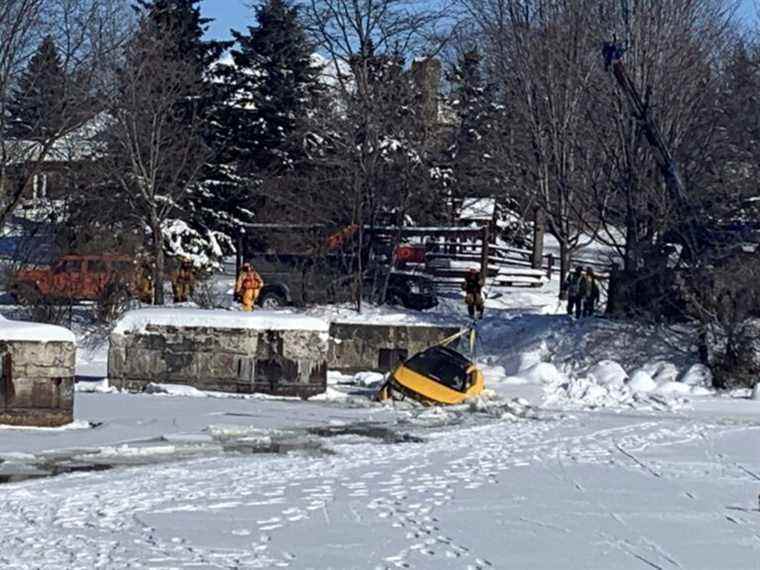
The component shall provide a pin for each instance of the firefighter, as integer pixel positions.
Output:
(183, 283)
(573, 285)
(590, 293)
(145, 283)
(473, 288)
(248, 287)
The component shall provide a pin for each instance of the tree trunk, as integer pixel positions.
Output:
(538, 238)
(159, 266)
(564, 266)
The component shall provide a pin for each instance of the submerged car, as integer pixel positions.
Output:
(437, 375)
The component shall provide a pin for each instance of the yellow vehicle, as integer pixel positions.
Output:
(437, 375)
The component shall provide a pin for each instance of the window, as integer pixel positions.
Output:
(69, 266)
(97, 266)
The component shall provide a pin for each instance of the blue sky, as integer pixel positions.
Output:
(235, 14)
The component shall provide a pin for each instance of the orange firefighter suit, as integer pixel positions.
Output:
(248, 287)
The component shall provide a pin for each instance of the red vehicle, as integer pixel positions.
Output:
(410, 253)
(74, 278)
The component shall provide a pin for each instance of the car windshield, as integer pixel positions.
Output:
(443, 365)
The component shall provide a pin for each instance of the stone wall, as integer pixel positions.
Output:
(279, 362)
(355, 347)
(36, 383)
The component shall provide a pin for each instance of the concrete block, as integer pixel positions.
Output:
(240, 353)
(36, 382)
(359, 346)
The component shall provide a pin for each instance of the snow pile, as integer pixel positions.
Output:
(607, 385)
(331, 395)
(608, 373)
(175, 390)
(642, 381)
(96, 386)
(540, 373)
(33, 332)
(662, 372)
(698, 375)
(138, 321)
(369, 379)
(75, 425)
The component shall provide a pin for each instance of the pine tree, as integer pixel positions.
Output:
(215, 203)
(468, 153)
(276, 84)
(37, 108)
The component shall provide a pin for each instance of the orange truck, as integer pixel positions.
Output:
(73, 278)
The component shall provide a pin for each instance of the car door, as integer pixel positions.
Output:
(95, 278)
(67, 278)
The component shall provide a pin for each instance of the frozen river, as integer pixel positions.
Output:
(258, 483)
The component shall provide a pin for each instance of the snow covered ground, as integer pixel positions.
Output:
(596, 446)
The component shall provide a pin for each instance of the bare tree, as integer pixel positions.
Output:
(368, 42)
(89, 33)
(155, 146)
(543, 55)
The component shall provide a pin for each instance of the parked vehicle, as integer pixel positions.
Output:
(74, 278)
(302, 279)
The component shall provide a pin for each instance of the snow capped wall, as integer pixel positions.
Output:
(265, 352)
(33, 332)
(36, 374)
(141, 320)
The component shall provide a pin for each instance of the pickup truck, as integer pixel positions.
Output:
(73, 278)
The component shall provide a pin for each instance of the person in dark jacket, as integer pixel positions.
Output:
(575, 282)
(473, 288)
(590, 293)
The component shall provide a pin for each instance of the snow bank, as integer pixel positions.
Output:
(175, 390)
(698, 375)
(642, 381)
(663, 372)
(608, 372)
(76, 424)
(369, 379)
(97, 386)
(137, 321)
(542, 373)
(33, 332)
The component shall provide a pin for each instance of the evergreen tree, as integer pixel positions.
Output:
(215, 202)
(276, 84)
(468, 152)
(37, 107)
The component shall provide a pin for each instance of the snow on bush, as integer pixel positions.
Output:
(608, 372)
(698, 375)
(202, 249)
(175, 390)
(641, 381)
